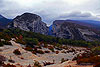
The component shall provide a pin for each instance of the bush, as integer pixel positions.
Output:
(37, 64)
(31, 41)
(47, 51)
(1, 44)
(92, 60)
(9, 65)
(96, 50)
(63, 51)
(57, 52)
(97, 64)
(84, 60)
(34, 52)
(51, 48)
(40, 51)
(28, 48)
(45, 45)
(7, 43)
(17, 52)
(2, 58)
(20, 41)
(12, 61)
(62, 60)
(65, 47)
(58, 45)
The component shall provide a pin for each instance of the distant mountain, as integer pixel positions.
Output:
(90, 23)
(29, 22)
(76, 30)
(1, 16)
(4, 21)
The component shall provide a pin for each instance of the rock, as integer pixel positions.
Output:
(29, 22)
(71, 30)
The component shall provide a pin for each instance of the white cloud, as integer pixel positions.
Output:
(49, 9)
(76, 2)
(79, 16)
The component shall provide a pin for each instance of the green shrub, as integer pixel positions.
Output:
(96, 50)
(31, 41)
(20, 41)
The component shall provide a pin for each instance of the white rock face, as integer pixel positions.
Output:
(29, 22)
(72, 30)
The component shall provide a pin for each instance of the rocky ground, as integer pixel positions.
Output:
(69, 64)
(27, 57)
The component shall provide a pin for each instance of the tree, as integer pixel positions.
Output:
(31, 41)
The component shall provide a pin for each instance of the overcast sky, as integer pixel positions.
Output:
(51, 10)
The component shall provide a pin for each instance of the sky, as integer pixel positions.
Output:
(51, 10)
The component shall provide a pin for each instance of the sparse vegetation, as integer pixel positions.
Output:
(4, 43)
(57, 52)
(34, 41)
(88, 58)
(17, 52)
(31, 41)
(37, 64)
(34, 38)
(12, 61)
(8, 65)
(51, 48)
(40, 51)
(47, 51)
(63, 60)
(97, 64)
(2, 58)
(96, 50)
(28, 48)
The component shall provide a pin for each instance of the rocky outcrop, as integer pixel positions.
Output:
(68, 29)
(29, 22)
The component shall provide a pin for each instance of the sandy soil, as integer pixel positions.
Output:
(27, 57)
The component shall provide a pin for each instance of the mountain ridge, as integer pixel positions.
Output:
(29, 22)
(69, 29)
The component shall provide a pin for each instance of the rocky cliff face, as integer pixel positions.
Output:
(70, 30)
(29, 22)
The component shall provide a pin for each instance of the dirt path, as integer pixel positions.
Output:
(69, 64)
(25, 58)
